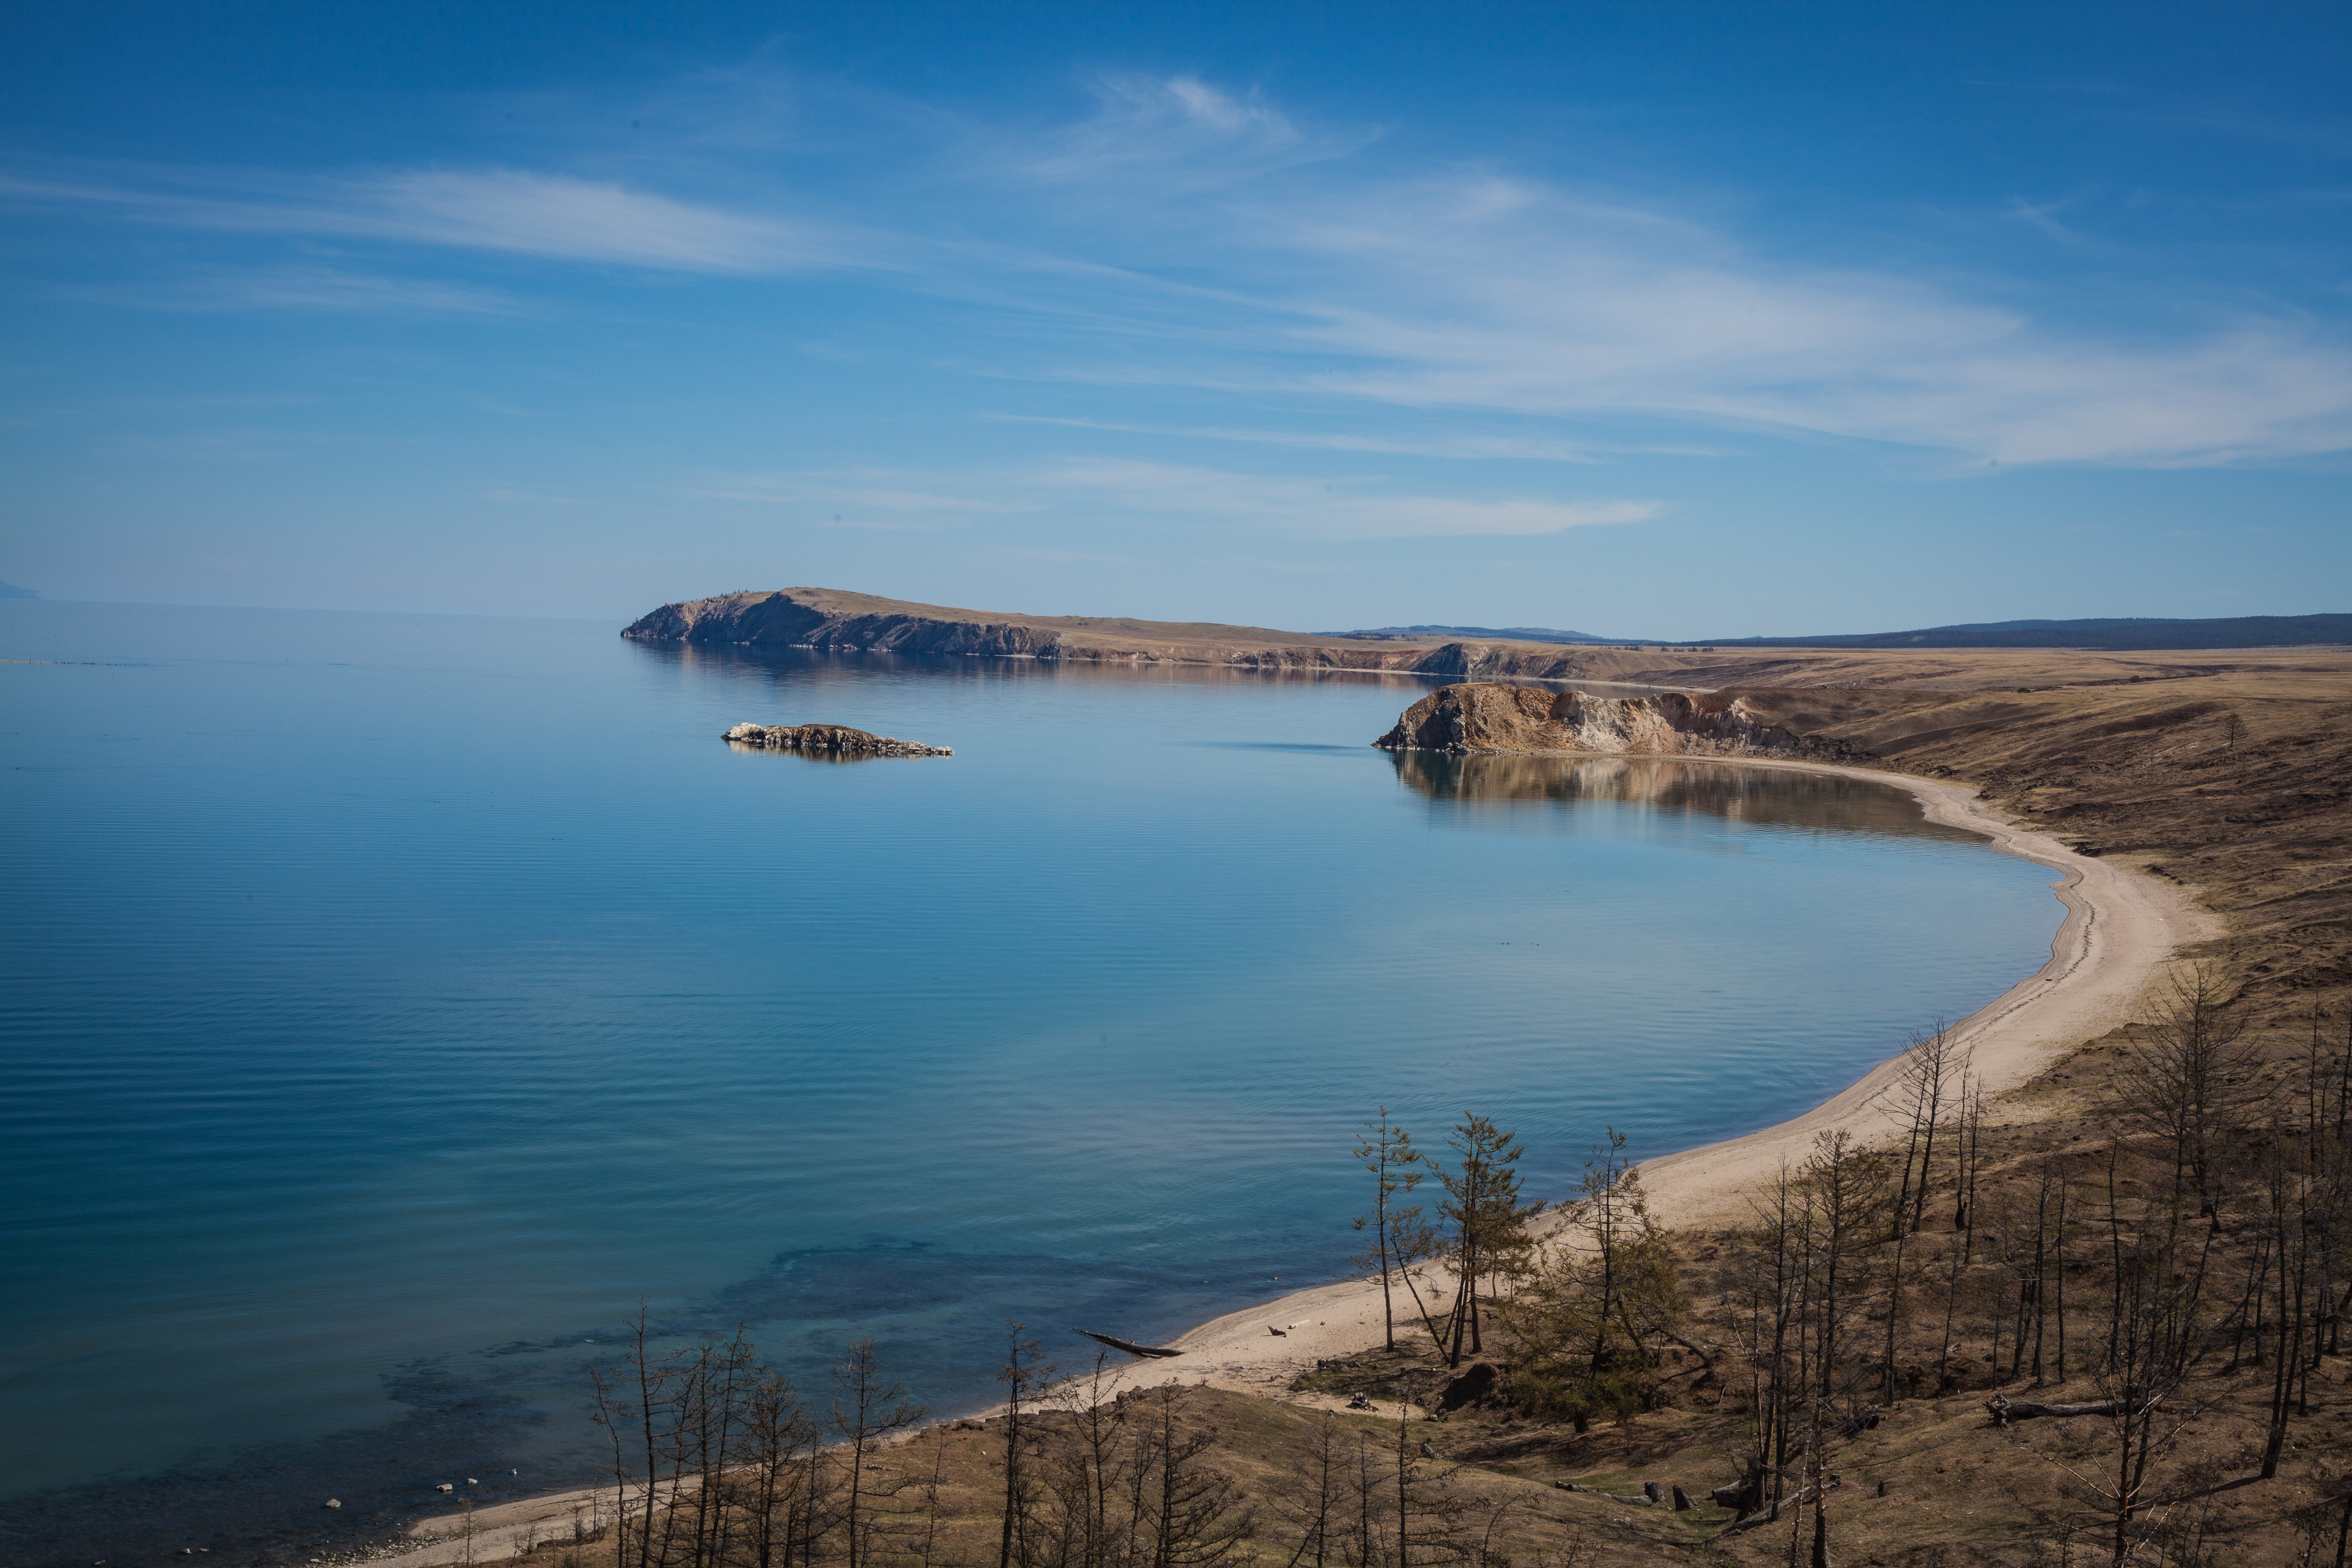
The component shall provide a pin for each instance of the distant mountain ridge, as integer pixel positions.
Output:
(10, 591)
(2113, 633)
(1500, 634)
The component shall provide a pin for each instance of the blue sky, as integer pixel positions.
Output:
(1657, 320)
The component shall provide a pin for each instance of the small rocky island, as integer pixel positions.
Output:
(831, 739)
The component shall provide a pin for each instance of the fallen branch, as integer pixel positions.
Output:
(2006, 1410)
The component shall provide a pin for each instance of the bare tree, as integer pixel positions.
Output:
(1025, 1374)
(1932, 1063)
(2190, 1077)
(2156, 1338)
(1400, 1239)
(1089, 1478)
(1314, 1506)
(1194, 1516)
(1422, 1512)
(1845, 1186)
(868, 1408)
(1929, 1066)
(774, 1484)
(634, 1405)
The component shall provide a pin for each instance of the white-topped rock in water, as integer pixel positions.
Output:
(833, 740)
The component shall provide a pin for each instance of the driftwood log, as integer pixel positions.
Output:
(2005, 1410)
(1129, 1346)
(1766, 1513)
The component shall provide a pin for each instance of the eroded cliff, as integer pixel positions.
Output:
(1489, 717)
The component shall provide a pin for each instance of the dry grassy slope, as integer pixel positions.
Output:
(1086, 629)
(1266, 1446)
(2258, 822)
(1934, 1483)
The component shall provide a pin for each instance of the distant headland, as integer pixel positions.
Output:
(838, 619)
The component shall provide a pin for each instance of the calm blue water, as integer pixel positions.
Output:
(389, 1004)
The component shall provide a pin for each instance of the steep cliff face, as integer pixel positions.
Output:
(1481, 717)
(782, 618)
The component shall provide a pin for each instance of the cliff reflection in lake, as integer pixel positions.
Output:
(1745, 793)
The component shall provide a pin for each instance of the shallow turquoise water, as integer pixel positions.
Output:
(389, 1004)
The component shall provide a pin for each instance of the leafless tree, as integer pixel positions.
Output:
(2159, 1333)
(868, 1408)
(1195, 1517)
(1399, 1236)
(1315, 1507)
(776, 1483)
(1088, 1476)
(1934, 1064)
(2190, 1077)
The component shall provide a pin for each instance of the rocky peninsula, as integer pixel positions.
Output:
(831, 739)
(1490, 716)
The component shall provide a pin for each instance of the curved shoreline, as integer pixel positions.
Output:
(2120, 931)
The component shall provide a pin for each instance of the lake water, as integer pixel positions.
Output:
(389, 1004)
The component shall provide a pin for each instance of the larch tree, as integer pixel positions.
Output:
(1400, 1239)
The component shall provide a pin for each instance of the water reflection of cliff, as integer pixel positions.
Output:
(1785, 797)
(809, 667)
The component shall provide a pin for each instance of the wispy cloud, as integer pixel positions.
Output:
(2043, 216)
(305, 287)
(1143, 493)
(1474, 292)
(1182, 234)
(871, 497)
(519, 211)
(1173, 131)
(1472, 448)
(1365, 507)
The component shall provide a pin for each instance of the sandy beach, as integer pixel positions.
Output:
(2121, 928)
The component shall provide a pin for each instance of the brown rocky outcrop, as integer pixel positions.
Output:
(783, 618)
(833, 740)
(1488, 717)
